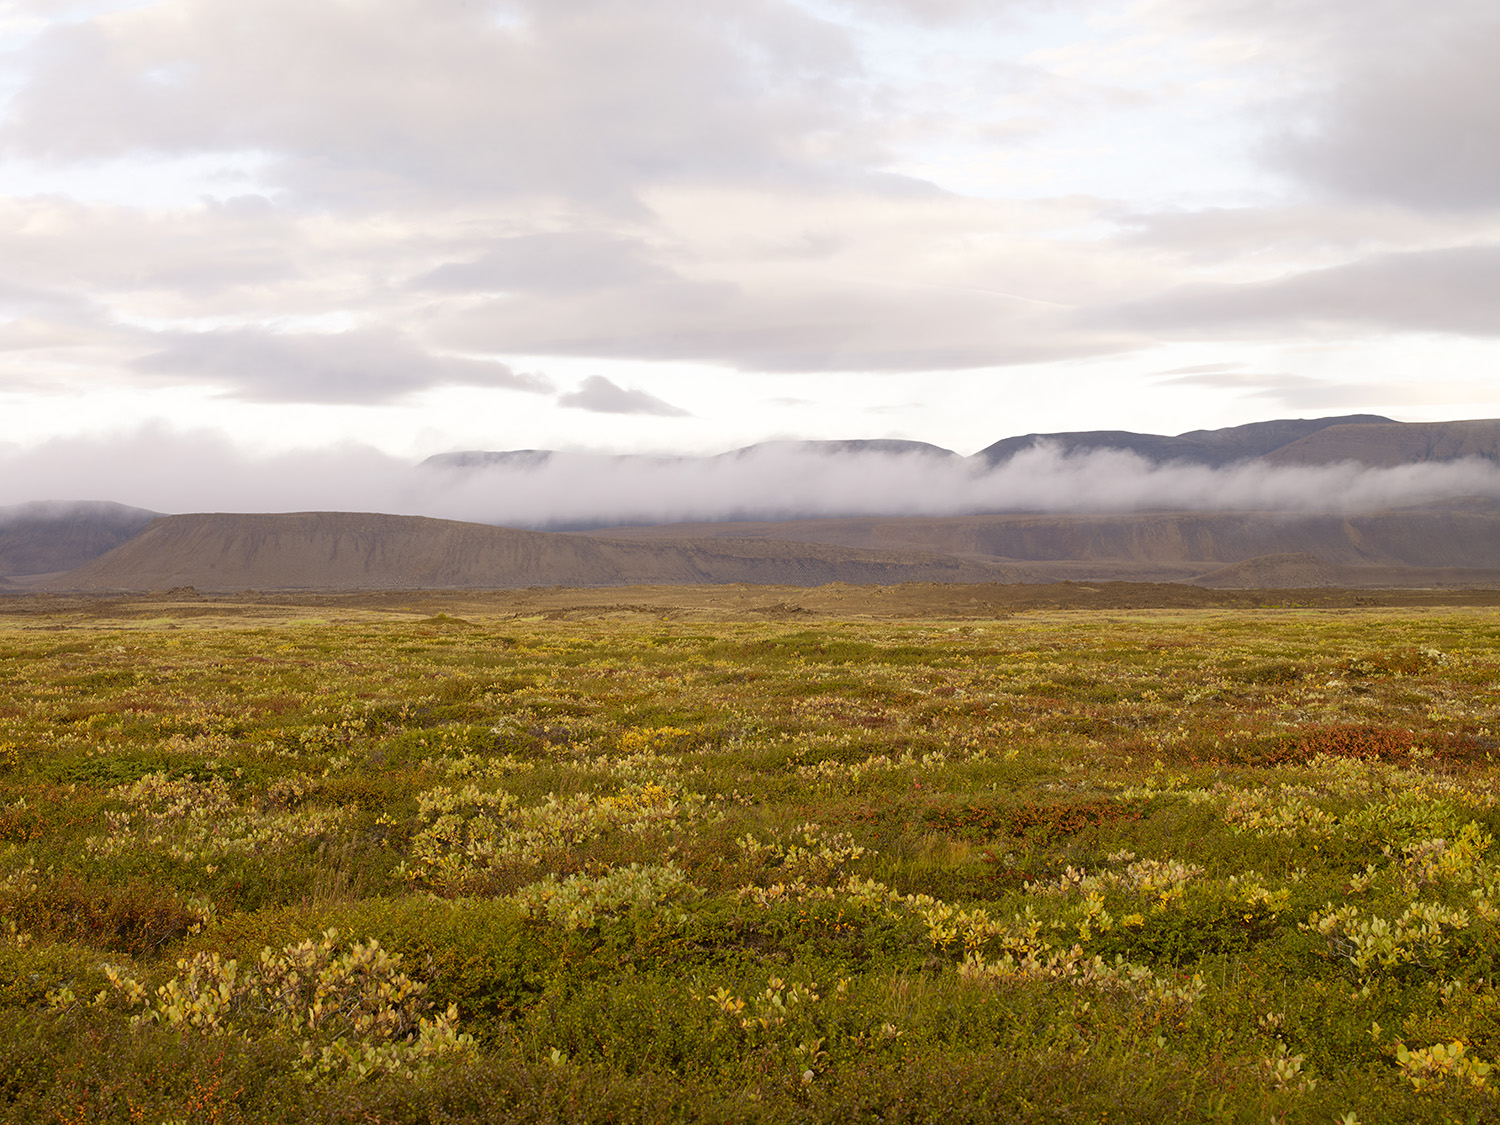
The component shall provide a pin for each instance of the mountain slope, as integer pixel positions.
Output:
(1441, 538)
(51, 536)
(1198, 447)
(1395, 443)
(341, 550)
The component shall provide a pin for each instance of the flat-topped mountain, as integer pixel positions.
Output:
(362, 551)
(1468, 538)
(357, 551)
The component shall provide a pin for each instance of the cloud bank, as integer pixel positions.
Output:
(175, 473)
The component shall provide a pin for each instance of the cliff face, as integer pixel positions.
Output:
(353, 551)
(341, 550)
(1462, 537)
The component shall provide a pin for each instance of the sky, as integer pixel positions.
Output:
(316, 230)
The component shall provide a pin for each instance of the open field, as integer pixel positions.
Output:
(1076, 853)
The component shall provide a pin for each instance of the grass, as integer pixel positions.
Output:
(448, 864)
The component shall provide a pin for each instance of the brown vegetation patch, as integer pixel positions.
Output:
(1357, 741)
(137, 916)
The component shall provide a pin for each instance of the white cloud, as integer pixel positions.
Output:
(362, 366)
(176, 472)
(409, 99)
(405, 195)
(1452, 290)
(601, 396)
(1416, 122)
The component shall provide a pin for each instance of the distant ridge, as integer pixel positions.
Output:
(1428, 536)
(1367, 438)
(538, 458)
(1393, 443)
(884, 446)
(1199, 447)
(486, 459)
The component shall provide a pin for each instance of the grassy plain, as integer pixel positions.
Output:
(712, 856)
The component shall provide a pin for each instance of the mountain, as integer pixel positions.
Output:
(530, 459)
(886, 447)
(1366, 438)
(1198, 541)
(52, 536)
(355, 551)
(1375, 542)
(359, 551)
(539, 458)
(1390, 444)
(1197, 447)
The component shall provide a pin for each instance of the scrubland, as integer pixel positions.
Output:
(1131, 865)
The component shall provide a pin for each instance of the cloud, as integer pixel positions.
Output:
(738, 185)
(1416, 123)
(237, 254)
(653, 180)
(358, 366)
(1305, 233)
(1323, 395)
(1264, 382)
(603, 397)
(1382, 100)
(1198, 369)
(17, 298)
(186, 472)
(554, 262)
(938, 11)
(1454, 290)
(403, 99)
(850, 312)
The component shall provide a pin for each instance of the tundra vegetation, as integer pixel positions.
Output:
(375, 866)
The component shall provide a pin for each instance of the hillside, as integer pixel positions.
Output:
(353, 551)
(340, 550)
(1198, 447)
(1443, 538)
(1393, 443)
(48, 536)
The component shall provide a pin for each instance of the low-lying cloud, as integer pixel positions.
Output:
(177, 473)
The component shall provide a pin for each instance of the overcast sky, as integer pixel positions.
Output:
(689, 225)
